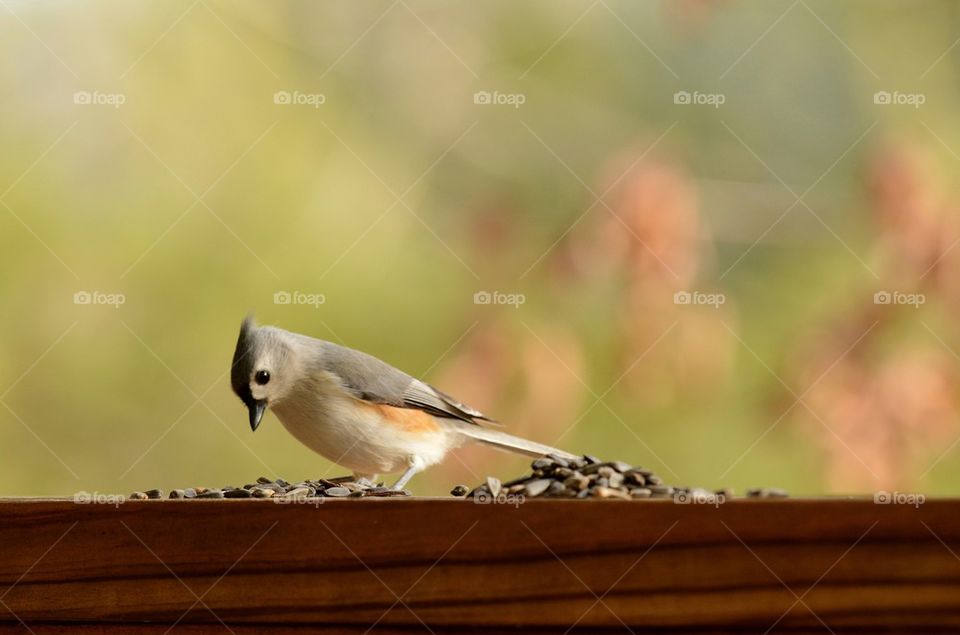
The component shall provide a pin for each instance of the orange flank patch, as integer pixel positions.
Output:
(408, 419)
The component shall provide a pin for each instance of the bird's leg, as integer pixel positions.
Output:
(416, 465)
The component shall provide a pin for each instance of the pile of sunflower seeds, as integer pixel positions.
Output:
(589, 477)
(282, 491)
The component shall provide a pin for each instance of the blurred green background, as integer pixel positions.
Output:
(383, 162)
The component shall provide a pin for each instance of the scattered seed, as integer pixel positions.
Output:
(537, 487)
(493, 484)
(556, 489)
(539, 464)
(609, 492)
(551, 477)
(767, 492)
(558, 460)
(557, 477)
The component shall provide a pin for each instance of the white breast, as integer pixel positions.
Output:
(329, 421)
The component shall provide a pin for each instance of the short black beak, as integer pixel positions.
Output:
(257, 407)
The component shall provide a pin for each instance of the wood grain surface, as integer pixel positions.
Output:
(413, 565)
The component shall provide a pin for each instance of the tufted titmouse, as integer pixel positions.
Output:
(354, 409)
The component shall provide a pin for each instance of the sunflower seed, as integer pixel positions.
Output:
(609, 492)
(541, 464)
(577, 482)
(493, 484)
(537, 487)
(556, 489)
(558, 460)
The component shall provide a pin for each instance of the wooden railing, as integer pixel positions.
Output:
(453, 565)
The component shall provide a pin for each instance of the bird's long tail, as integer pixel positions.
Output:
(504, 441)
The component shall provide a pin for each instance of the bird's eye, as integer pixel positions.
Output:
(262, 377)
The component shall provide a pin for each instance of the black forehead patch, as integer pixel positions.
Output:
(243, 360)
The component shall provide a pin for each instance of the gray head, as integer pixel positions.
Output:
(264, 367)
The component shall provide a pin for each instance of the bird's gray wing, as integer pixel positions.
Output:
(374, 380)
(424, 396)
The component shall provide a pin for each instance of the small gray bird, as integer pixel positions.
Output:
(354, 409)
